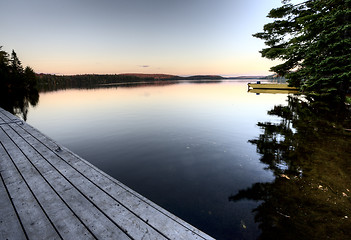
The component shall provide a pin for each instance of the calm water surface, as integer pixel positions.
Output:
(184, 146)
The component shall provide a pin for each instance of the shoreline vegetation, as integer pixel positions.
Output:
(52, 82)
(18, 85)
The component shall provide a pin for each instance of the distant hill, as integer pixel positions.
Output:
(203, 77)
(153, 76)
(172, 77)
(247, 77)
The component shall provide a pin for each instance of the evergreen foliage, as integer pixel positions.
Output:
(313, 40)
(18, 86)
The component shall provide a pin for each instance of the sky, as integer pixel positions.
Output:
(181, 37)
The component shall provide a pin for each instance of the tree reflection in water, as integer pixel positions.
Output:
(309, 152)
(18, 102)
(17, 97)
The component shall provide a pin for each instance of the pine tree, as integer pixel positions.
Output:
(4, 71)
(4, 57)
(30, 78)
(313, 39)
(15, 64)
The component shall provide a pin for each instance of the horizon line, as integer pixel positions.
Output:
(180, 75)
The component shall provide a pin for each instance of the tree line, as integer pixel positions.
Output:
(18, 85)
(51, 82)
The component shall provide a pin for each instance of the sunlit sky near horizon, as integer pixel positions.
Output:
(181, 37)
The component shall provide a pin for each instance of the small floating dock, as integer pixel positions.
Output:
(272, 86)
(272, 91)
(48, 192)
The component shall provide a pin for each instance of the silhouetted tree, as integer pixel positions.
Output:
(4, 69)
(15, 64)
(18, 87)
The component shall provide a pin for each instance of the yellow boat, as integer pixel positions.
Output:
(273, 91)
(280, 86)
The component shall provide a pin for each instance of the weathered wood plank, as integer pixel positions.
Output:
(10, 226)
(167, 223)
(35, 222)
(124, 218)
(8, 114)
(57, 210)
(96, 200)
(64, 220)
(8, 117)
(3, 117)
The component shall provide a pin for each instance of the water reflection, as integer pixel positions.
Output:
(309, 152)
(88, 85)
(188, 137)
(18, 100)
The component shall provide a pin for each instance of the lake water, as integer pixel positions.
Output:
(184, 146)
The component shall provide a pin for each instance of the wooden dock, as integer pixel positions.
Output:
(272, 91)
(48, 192)
(276, 86)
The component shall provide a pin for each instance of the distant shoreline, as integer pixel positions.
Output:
(156, 76)
(175, 81)
(52, 82)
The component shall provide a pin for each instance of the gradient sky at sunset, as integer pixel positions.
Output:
(181, 37)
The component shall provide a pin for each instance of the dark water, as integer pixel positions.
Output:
(210, 154)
